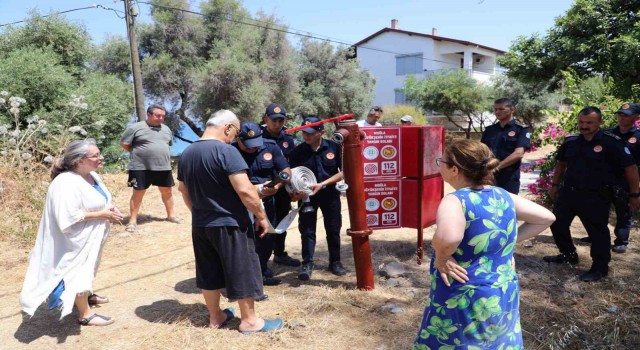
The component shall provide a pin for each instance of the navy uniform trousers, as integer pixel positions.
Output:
(282, 209)
(624, 216)
(328, 201)
(264, 245)
(592, 207)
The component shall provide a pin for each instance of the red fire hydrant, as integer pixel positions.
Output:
(349, 135)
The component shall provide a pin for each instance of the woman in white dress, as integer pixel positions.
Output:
(73, 229)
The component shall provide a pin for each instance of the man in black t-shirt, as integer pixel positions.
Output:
(215, 187)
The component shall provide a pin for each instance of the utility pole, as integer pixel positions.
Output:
(130, 14)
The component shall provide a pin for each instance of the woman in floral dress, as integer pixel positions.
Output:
(474, 297)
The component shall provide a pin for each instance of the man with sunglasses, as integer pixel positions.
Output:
(148, 142)
(629, 132)
(372, 118)
(265, 161)
(273, 128)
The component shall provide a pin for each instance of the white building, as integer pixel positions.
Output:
(392, 54)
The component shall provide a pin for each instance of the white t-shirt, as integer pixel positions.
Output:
(363, 122)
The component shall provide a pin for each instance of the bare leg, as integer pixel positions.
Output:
(82, 303)
(216, 315)
(248, 319)
(167, 199)
(134, 205)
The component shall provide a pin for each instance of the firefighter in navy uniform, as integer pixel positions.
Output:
(273, 128)
(324, 158)
(508, 141)
(589, 163)
(265, 160)
(626, 129)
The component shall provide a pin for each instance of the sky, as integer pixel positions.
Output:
(493, 23)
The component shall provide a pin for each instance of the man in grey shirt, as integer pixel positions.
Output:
(150, 163)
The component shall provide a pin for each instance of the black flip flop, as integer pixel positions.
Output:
(87, 321)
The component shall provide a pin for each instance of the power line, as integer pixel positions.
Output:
(269, 26)
(94, 6)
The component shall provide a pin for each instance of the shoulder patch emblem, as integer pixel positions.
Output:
(267, 156)
(626, 150)
(528, 135)
(625, 106)
(633, 139)
(277, 110)
(597, 149)
(251, 133)
(285, 144)
(307, 122)
(512, 133)
(330, 155)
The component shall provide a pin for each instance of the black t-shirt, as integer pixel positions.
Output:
(204, 168)
(596, 163)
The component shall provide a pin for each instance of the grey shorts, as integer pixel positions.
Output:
(226, 258)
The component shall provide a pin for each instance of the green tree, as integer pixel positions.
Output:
(452, 93)
(531, 99)
(593, 38)
(331, 82)
(113, 57)
(45, 62)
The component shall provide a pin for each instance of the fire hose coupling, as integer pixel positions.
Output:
(340, 135)
(363, 233)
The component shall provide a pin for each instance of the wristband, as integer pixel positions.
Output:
(260, 187)
(324, 186)
(634, 194)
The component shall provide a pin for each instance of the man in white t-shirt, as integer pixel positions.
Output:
(372, 117)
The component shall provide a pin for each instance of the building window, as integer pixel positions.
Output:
(409, 64)
(401, 98)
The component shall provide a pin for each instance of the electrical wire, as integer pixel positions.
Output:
(94, 6)
(270, 26)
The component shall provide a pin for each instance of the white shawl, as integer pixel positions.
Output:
(66, 248)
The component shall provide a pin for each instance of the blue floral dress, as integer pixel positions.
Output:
(483, 312)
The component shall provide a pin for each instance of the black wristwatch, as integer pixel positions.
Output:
(634, 194)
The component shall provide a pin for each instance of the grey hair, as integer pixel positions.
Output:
(221, 118)
(74, 152)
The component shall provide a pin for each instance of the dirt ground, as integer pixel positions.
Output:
(150, 278)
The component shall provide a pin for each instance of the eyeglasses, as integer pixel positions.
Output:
(235, 128)
(96, 156)
(439, 161)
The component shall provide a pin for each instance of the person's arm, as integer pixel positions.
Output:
(450, 229)
(249, 197)
(111, 214)
(185, 194)
(125, 147)
(631, 174)
(330, 181)
(536, 217)
(513, 158)
(558, 174)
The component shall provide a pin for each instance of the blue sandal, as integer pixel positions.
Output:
(231, 313)
(269, 326)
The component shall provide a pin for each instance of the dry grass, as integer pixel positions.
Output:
(149, 277)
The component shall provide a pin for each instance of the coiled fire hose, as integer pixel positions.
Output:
(301, 180)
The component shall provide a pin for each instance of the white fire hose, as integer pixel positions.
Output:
(301, 180)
